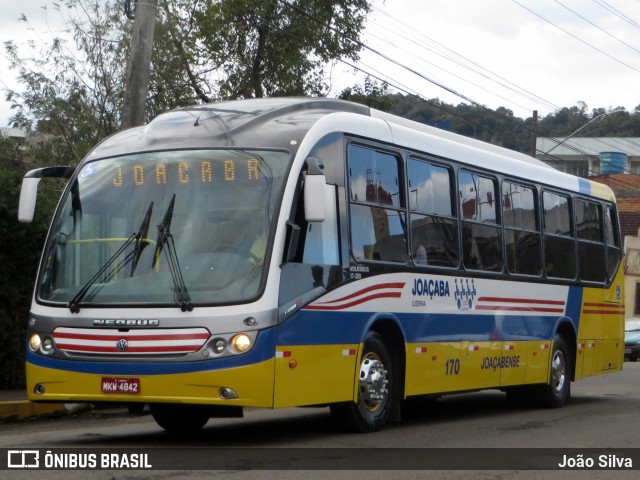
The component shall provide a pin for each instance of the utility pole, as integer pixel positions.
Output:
(534, 135)
(137, 80)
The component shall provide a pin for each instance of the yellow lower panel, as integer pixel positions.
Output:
(538, 358)
(253, 384)
(315, 374)
(432, 367)
(595, 357)
(467, 365)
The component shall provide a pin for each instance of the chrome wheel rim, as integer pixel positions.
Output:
(373, 382)
(558, 371)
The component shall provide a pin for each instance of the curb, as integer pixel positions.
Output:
(23, 409)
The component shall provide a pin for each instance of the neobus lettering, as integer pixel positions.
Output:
(187, 173)
(431, 288)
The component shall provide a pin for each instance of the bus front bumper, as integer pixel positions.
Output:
(251, 384)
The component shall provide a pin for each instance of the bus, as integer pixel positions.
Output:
(289, 252)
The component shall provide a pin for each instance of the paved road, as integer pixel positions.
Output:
(604, 413)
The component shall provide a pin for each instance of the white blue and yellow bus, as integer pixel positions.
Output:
(294, 252)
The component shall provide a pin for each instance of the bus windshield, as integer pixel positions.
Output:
(133, 229)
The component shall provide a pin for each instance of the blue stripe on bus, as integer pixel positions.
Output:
(574, 305)
(263, 350)
(584, 186)
(320, 328)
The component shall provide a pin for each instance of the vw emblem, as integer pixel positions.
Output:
(122, 344)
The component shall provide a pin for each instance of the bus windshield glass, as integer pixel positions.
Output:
(142, 228)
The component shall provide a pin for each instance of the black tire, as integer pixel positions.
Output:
(558, 391)
(376, 392)
(179, 418)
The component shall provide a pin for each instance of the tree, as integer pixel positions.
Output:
(72, 92)
(20, 248)
(372, 94)
(263, 48)
(203, 51)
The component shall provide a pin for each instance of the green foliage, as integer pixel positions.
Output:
(499, 127)
(275, 48)
(72, 92)
(20, 248)
(372, 94)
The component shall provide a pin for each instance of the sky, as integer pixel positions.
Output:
(522, 55)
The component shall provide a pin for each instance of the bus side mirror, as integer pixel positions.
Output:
(29, 189)
(315, 184)
(28, 194)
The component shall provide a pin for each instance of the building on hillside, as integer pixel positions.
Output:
(587, 156)
(616, 163)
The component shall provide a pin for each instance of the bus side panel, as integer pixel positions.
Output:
(538, 358)
(316, 357)
(432, 367)
(513, 363)
(600, 346)
(314, 374)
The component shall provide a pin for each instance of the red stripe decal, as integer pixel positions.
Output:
(605, 305)
(519, 309)
(604, 312)
(521, 300)
(133, 349)
(365, 290)
(94, 336)
(356, 302)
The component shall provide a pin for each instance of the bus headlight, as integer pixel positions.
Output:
(241, 342)
(34, 342)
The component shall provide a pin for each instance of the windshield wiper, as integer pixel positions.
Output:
(140, 239)
(165, 238)
(74, 304)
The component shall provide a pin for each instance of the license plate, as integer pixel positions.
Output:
(129, 386)
(627, 350)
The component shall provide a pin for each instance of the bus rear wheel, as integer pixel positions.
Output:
(376, 390)
(557, 392)
(179, 418)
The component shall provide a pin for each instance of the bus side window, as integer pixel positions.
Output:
(378, 226)
(612, 241)
(433, 226)
(315, 258)
(521, 229)
(559, 245)
(591, 249)
(481, 234)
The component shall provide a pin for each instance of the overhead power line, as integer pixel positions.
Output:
(617, 13)
(458, 59)
(403, 66)
(576, 37)
(606, 32)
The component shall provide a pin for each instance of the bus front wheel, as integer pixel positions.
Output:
(557, 392)
(376, 387)
(178, 417)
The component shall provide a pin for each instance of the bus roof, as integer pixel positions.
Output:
(283, 122)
